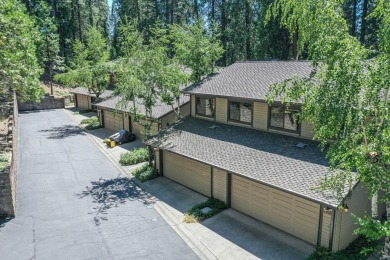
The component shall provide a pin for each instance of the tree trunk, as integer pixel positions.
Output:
(90, 12)
(247, 26)
(212, 10)
(54, 8)
(73, 22)
(196, 10)
(79, 20)
(167, 11)
(386, 248)
(223, 28)
(171, 11)
(294, 47)
(364, 22)
(353, 27)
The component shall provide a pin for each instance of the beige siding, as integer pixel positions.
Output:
(193, 105)
(221, 110)
(239, 124)
(289, 213)
(168, 120)
(336, 231)
(195, 175)
(126, 122)
(260, 115)
(307, 130)
(157, 159)
(113, 121)
(137, 129)
(171, 118)
(220, 184)
(325, 229)
(185, 109)
(283, 133)
(358, 204)
(83, 101)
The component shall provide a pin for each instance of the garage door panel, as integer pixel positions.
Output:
(113, 121)
(190, 173)
(287, 212)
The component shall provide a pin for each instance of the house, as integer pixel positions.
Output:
(113, 117)
(84, 99)
(254, 157)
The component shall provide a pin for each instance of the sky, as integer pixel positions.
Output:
(109, 3)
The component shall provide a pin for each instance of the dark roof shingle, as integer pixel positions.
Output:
(250, 80)
(83, 91)
(270, 158)
(159, 109)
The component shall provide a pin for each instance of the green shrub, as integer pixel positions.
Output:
(145, 173)
(92, 123)
(134, 157)
(4, 161)
(93, 126)
(90, 120)
(83, 111)
(196, 215)
(360, 248)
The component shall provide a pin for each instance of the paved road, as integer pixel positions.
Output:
(72, 203)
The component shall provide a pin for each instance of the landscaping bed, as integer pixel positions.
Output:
(134, 157)
(198, 213)
(360, 248)
(91, 123)
(145, 173)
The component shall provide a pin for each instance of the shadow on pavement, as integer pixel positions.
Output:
(64, 131)
(109, 193)
(4, 220)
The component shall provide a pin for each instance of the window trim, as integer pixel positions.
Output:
(298, 131)
(239, 121)
(203, 115)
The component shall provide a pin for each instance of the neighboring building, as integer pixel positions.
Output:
(237, 148)
(114, 118)
(84, 99)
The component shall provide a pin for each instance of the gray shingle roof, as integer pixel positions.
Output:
(250, 80)
(83, 91)
(159, 110)
(269, 158)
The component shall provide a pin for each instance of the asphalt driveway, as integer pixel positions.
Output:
(72, 202)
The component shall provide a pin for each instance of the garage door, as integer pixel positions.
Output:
(296, 216)
(113, 121)
(194, 175)
(82, 101)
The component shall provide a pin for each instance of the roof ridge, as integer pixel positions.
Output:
(266, 61)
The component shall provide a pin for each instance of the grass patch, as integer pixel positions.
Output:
(82, 111)
(92, 123)
(195, 214)
(360, 248)
(90, 120)
(145, 173)
(134, 157)
(4, 161)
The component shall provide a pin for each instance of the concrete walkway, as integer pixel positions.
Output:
(73, 203)
(228, 235)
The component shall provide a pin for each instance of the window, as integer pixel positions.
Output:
(205, 106)
(285, 119)
(241, 112)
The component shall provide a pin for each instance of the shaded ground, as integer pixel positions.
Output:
(73, 204)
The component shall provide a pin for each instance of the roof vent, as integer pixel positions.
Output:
(213, 127)
(301, 145)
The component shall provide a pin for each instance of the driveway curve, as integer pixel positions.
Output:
(72, 202)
